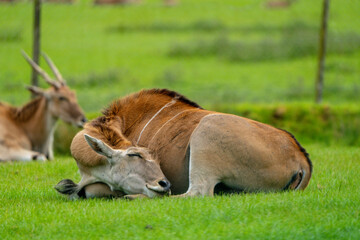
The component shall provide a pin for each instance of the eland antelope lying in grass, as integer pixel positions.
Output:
(118, 168)
(27, 132)
(199, 151)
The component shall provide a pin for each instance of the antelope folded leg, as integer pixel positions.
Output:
(135, 196)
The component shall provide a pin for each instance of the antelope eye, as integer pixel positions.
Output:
(135, 155)
(61, 98)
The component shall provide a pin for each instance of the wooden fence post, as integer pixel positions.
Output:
(36, 41)
(322, 52)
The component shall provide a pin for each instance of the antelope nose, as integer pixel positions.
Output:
(165, 184)
(81, 122)
(84, 120)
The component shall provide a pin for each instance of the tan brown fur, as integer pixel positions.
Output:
(174, 127)
(119, 105)
(103, 128)
(22, 114)
(110, 129)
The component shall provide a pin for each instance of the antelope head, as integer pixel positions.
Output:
(61, 100)
(132, 170)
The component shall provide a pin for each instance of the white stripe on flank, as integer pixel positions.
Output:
(173, 101)
(167, 123)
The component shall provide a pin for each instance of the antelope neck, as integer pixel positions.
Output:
(172, 102)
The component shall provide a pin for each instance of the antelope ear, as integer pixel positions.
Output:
(100, 147)
(36, 90)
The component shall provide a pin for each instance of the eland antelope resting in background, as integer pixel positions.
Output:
(27, 132)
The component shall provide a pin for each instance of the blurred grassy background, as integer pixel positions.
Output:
(212, 51)
(219, 53)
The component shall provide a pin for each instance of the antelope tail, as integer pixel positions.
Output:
(67, 187)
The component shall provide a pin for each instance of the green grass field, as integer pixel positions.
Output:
(234, 56)
(328, 209)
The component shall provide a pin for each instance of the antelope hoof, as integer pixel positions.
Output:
(39, 157)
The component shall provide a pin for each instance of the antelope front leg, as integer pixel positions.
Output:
(198, 190)
(200, 184)
(101, 190)
(49, 149)
(202, 177)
